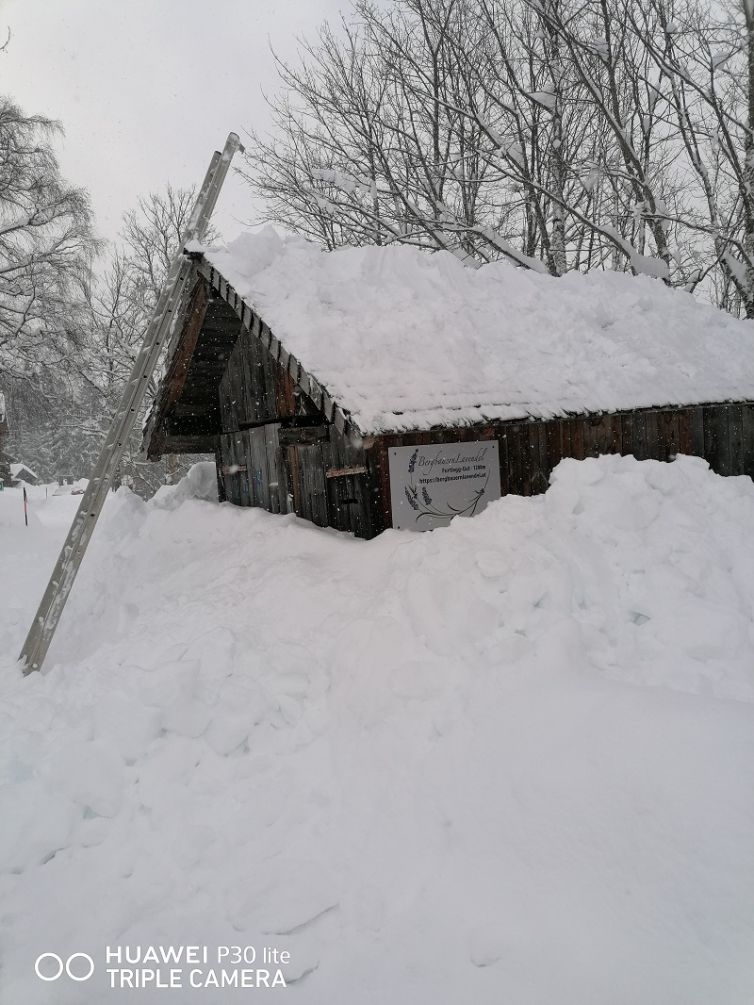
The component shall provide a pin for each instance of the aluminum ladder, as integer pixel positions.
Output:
(160, 329)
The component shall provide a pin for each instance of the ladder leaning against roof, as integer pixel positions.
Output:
(160, 327)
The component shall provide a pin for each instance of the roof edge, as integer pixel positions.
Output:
(333, 411)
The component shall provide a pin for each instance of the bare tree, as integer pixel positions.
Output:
(560, 134)
(120, 300)
(46, 244)
(151, 236)
(706, 55)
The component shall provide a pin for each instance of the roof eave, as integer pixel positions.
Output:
(332, 410)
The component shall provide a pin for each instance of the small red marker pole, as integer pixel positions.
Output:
(26, 508)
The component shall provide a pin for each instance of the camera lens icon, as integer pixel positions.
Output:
(50, 967)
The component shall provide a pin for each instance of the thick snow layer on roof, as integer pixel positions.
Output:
(407, 339)
(505, 762)
(20, 471)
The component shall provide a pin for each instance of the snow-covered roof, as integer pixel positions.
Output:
(17, 471)
(406, 339)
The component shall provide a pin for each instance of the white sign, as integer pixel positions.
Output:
(432, 483)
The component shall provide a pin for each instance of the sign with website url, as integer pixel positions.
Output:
(142, 968)
(433, 483)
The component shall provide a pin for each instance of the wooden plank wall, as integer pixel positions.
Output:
(250, 469)
(255, 389)
(529, 450)
(277, 450)
(317, 473)
(311, 471)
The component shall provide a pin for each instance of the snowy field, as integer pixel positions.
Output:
(507, 763)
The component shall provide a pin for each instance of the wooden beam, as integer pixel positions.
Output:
(304, 435)
(354, 469)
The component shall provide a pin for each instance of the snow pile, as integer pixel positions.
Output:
(508, 761)
(27, 556)
(200, 483)
(406, 339)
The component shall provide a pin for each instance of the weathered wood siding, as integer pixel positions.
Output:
(250, 468)
(186, 415)
(529, 450)
(317, 473)
(278, 451)
(255, 389)
(308, 470)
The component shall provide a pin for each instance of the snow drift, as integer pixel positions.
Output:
(508, 761)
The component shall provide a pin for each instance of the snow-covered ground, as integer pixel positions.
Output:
(511, 761)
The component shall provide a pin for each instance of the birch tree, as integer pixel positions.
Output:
(46, 244)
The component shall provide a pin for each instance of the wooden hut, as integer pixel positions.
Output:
(22, 474)
(369, 388)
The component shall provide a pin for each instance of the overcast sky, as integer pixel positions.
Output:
(147, 89)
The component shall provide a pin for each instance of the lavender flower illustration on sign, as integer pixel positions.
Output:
(430, 484)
